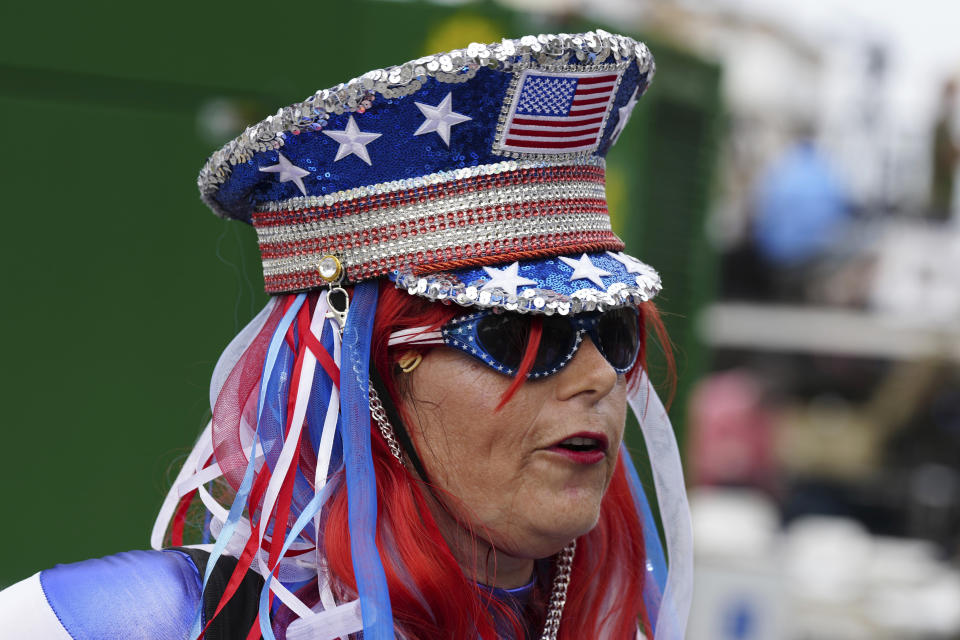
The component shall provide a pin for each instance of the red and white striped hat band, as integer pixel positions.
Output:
(490, 214)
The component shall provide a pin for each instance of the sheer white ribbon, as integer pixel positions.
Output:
(674, 509)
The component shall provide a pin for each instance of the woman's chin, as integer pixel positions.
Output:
(554, 529)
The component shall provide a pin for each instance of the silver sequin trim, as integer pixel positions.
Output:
(591, 49)
(446, 286)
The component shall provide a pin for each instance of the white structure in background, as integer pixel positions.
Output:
(772, 81)
(784, 80)
(739, 589)
(917, 277)
(865, 75)
(821, 578)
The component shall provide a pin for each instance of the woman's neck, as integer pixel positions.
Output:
(480, 560)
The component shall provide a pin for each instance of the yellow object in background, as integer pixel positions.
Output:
(452, 32)
(617, 198)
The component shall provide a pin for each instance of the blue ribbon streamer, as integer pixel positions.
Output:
(656, 559)
(358, 462)
(317, 408)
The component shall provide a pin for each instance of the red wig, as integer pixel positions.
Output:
(431, 597)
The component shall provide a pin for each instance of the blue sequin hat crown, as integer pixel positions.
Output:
(475, 176)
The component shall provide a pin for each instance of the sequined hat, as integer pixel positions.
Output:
(475, 175)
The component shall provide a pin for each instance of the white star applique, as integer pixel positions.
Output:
(288, 171)
(353, 141)
(625, 112)
(632, 264)
(507, 279)
(440, 118)
(583, 269)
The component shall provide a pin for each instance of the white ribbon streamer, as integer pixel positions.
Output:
(327, 625)
(674, 509)
(189, 467)
(218, 513)
(325, 451)
(415, 335)
(208, 474)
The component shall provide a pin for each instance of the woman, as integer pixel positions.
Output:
(420, 436)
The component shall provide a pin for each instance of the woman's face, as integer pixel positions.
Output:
(509, 473)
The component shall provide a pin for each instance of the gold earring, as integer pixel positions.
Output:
(409, 361)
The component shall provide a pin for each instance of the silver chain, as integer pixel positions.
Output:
(379, 415)
(558, 596)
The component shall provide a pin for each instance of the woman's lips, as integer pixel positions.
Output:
(580, 457)
(582, 448)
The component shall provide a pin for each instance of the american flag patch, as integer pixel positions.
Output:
(558, 112)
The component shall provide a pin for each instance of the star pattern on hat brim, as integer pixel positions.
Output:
(631, 264)
(584, 269)
(288, 171)
(353, 141)
(507, 279)
(440, 119)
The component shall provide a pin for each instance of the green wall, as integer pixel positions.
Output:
(669, 154)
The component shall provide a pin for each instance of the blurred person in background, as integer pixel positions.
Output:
(731, 432)
(800, 212)
(420, 436)
(945, 154)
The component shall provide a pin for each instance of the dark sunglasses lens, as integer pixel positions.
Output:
(504, 337)
(556, 343)
(619, 335)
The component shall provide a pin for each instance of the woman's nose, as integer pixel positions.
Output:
(588, 372)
